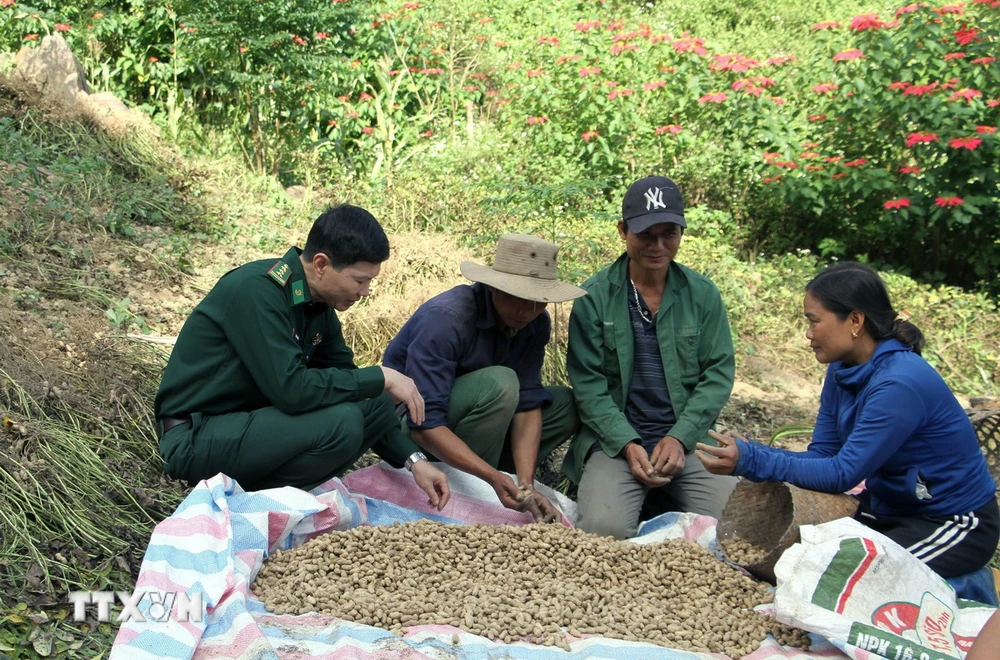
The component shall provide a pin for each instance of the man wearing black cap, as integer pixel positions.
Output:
(651, 363)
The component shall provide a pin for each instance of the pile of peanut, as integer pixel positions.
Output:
(533, 583)
(741, 551)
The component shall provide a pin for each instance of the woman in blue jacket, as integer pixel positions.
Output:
(886, 417)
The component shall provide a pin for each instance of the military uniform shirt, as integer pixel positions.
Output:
(258, 340)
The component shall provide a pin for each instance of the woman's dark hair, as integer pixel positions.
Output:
(346, 235)
(851, 286)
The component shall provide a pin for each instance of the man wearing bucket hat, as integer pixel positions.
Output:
(651, 362)
(475, 353)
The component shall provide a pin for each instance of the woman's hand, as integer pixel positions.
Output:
(721, 459)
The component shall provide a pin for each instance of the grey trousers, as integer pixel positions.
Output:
(610, 500)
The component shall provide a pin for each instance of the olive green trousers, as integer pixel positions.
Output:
(267, 448)
(482, 406)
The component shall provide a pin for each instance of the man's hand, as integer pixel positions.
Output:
(668, 457)
(402, 389)
(432, 481)
(510, 495)
(546, 511)
(721, 459)
(642, 469)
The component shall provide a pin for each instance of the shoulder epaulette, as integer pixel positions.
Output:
(280, 272)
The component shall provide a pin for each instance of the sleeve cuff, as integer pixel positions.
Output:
(370, 381)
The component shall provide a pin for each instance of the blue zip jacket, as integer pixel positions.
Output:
(893, 422)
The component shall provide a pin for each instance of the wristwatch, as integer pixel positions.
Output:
(413, 458)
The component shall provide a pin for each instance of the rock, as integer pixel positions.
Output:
(297, 192)
(53, 69)
(108, 103)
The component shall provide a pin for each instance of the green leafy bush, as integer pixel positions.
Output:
(895, 152)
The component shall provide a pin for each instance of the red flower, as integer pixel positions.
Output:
(856, 163)
(552, 41)
(965, 35)
(298, 41)
(969, 143)
(62, 27)
(733, 62)
(534, 73)
(786, 163)
(920, 90)
(322, 35)
(772, 179)
(866, 22)
(948, 201)
(840, 175)
(674, 129)
(689, 44)
(986, 130)
(817, 117)
(538, 120)
(567, 58)
(769, 156)
(484, 21)
(950, 9)
(432, 72)
(618, 48)
(899, 85)
(910, 169)
(833, 159)
(920, 138)
(898, 203)
(966, 94)
(809, 154)
(814, 168)
(777, 100)
(809, 145)
(713, 97)
(367, 130)
(365, 96)
(779, 60)
(908, 9)
(589, 71)
(852, 54)
(6, 3)
(332, 122)
(826, 25)
(992, 103)
(824, 88)
(615, 93)
(589, 135)
(954, 56)
(984, 60)
(586, 26)
(653, 85)
(411, 5)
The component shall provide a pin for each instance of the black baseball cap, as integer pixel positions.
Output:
(651, 201)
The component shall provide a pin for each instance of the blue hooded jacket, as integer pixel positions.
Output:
(893, 422)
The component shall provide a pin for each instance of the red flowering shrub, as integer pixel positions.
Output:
(902, 113)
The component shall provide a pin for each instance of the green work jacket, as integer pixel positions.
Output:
(258, 340)
(695, 344)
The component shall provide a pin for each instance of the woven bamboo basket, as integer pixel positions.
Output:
(769, 514)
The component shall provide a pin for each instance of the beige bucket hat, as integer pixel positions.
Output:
(525, 267)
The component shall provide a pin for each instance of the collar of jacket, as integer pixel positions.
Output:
(618, 276)
(855, 378)
(297, 288)
(486, 316)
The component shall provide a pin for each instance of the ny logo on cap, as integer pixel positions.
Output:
(654, 198)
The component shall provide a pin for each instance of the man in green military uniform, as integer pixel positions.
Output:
(261, 385)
